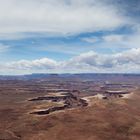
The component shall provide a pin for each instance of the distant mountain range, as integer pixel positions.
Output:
(90, 76)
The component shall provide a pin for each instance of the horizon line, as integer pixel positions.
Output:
(129, 73)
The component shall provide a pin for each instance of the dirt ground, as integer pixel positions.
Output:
(114, 119)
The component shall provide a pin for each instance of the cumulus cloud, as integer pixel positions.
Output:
(44, 63)
(107, 60)
(58, 16)
(128, 61)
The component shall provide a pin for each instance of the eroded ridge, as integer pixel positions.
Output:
(68, 100)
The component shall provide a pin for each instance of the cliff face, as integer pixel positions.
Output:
(69, 101)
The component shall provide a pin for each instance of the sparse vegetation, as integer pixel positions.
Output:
(114, 118)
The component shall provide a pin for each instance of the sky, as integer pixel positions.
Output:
(69, 36)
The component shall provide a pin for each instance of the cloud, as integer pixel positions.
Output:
(114, 38)
(44, 63)
(91, 39)
(128, 61)
(127, 40)
(50, 18)
(58, 17)
(4, 48)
